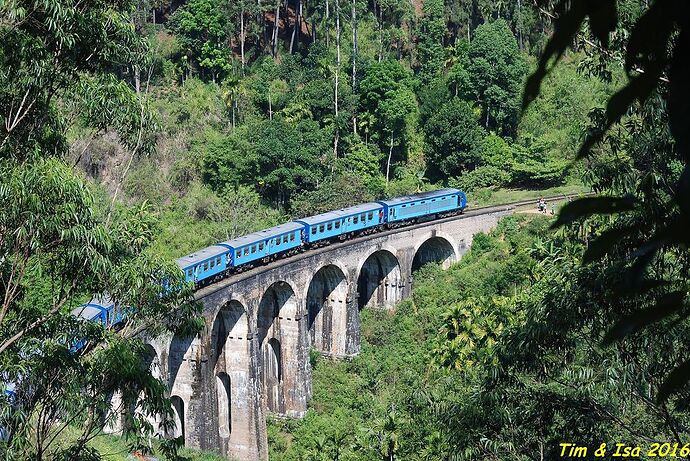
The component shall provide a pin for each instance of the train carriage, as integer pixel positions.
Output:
(205, 263)
(265, 243)
(427, 204)
(340, 222)
(101, 309)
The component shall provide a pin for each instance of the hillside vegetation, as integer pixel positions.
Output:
(299, 121)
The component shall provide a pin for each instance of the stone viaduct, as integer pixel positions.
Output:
(252, 357)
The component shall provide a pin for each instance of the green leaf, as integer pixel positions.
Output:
(678, 378)
(587, 206)
(605, 242)
(603, 17)
(632, 323)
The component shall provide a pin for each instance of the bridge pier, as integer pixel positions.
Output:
(252, 359)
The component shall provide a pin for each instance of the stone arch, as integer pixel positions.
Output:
(229, 334)
(151, 361)
(379, 282)
(184, 369)
(178, 407)
(326, 305)
(230, 360)
(278, 333)
(434, 249)
(182, 351)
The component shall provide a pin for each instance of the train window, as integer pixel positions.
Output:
(285, 238)
(370, 215)
(404, 206)
(213, 263)
(329, 226)
(313, 231)
(292, 237)
(205, 266)
(363, 216)
(253, 248)
(190, 272)
(246, 251)
(355, 220)
(238, 254)
(218, 261)
(261, 246)
(321, 228)
(337, 224)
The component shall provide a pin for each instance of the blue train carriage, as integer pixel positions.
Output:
(204, 265)
(101, 309)
(342, 223)
(438, 203)
(265, 245)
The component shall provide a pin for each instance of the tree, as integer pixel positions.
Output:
(656, 63)
(58, 246)
(386, 92)
(496, 71)
(453, 137)
(203, 29)
(430, 45)
(289, 159)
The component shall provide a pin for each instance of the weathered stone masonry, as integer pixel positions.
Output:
(252, 357)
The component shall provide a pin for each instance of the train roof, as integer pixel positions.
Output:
(87, 312)
(422, 196)
(201, 255)
(331, 215)
(261, 235)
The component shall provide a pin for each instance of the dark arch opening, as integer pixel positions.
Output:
(327, 308)
(178, 412)
(378, 281)
(273, 374)
(436, 249)
(278, 331)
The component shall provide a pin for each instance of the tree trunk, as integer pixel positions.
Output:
(390, 155)
(354, 60)
(519, 7)
(137, 78)
(242, 37)
(337, 75)
(276, 18)
(380, 21)
(270, 108)
(298, 26)
(326, 24)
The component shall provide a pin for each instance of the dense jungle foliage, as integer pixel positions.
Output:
(136, 131)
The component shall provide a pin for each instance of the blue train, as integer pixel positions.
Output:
(246, 252)
(242, 253)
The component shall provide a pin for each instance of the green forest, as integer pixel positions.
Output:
(137, 131)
